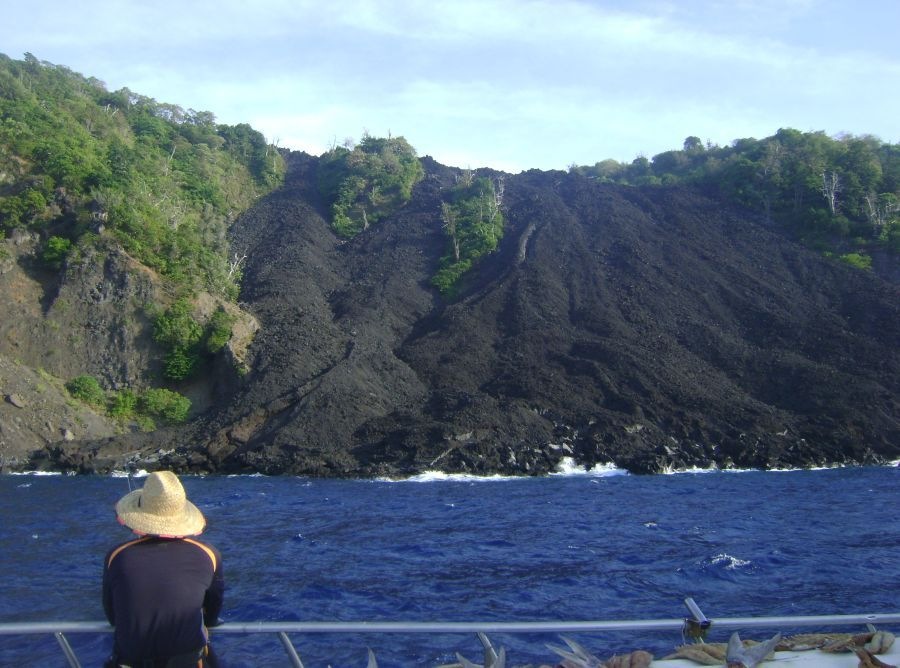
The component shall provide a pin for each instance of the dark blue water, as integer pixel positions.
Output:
(558, 548)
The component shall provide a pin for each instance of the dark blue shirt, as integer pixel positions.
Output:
(159, 593)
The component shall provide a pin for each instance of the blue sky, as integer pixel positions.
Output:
(510, 84)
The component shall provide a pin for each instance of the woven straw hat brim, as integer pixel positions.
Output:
(187, 521)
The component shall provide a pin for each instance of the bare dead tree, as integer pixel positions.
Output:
(831, 186)
(880, 210)
(365, 218)
(275, 143)
(465, 177)
(235, 264)
(169, 161)
(448, 215)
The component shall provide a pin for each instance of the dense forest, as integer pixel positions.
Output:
(79, 161)
(839, 194)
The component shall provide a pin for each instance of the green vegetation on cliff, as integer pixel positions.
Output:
(833, 192)
(144, 408)
(186, 341)
(473, 224)
(373, 179)
(77, 160)
(368, 182)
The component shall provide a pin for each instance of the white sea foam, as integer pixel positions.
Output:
(729, 562)
(810, 468)
(140, 473)
(692, 469)
(568, 467)
(36, 473)
(440, 476)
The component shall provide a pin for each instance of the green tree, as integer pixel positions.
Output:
(693, 145)
(179, 334)
(858, 260)
(87, 389)
(177, 326)
(122, 404)
(180, 363)
(473, 223)
(160, 402)
(218, 330)
(369, 182)
(55, 251)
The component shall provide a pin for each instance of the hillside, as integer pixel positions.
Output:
(648, 326)
(115, 269)
(167, 301)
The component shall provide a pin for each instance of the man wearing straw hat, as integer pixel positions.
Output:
(162, 589)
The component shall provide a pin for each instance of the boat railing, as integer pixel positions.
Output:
(281, 629)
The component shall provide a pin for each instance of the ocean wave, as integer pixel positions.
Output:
(140, 473)
(568, 467)
(690, 469)
(727, 561)
(441, 476)
(809, 468)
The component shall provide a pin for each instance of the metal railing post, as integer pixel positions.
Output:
(67, 650)
(490, 654)
(290, 649)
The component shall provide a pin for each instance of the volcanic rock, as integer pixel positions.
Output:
(654, 328)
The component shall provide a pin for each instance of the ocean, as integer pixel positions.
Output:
(588, 546)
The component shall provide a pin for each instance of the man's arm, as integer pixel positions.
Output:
(215, 595)
(107, 593)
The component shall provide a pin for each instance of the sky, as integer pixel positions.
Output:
(508, 84)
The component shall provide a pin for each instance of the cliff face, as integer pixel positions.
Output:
(88, 318)
(647, 327)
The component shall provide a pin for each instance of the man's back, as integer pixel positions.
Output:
(158, 593)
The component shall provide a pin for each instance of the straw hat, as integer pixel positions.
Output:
(160, 508)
